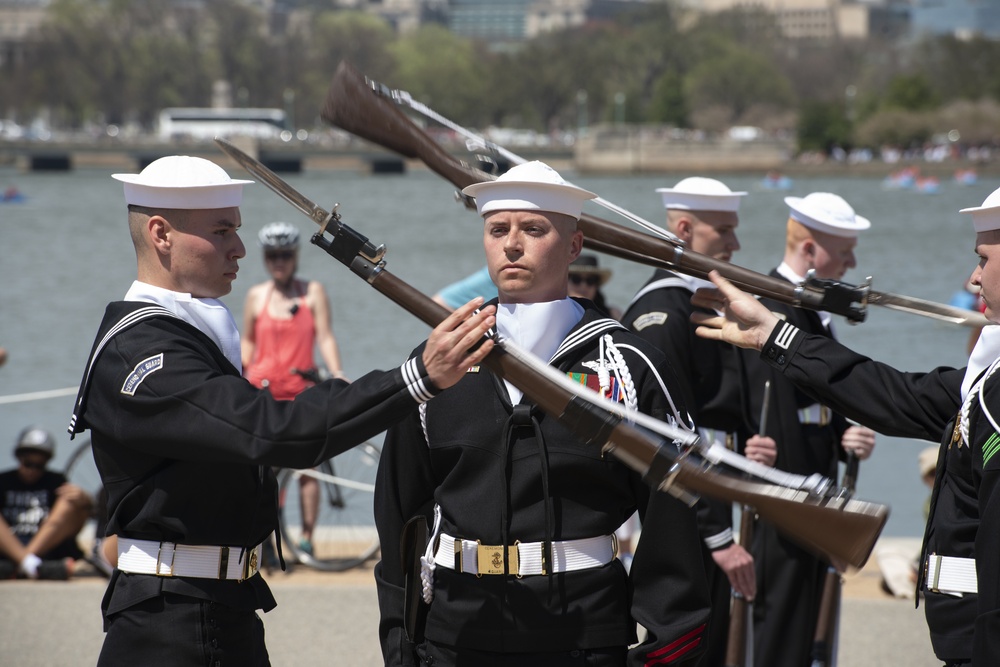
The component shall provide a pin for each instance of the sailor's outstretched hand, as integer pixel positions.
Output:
(448, 353)
(745, 322)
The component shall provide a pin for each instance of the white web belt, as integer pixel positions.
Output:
(524, 558)
(166, 559)
(951, 575)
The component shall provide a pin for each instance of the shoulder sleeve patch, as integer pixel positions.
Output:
(141, 372)
(648, 320)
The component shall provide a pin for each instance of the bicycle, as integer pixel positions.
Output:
(345, 535)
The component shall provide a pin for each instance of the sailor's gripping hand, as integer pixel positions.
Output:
(761, 449)
(744, 322)
(448, 353)
(858, 440)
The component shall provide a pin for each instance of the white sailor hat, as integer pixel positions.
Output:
(180, 181)
(828, 213)
(986, 217)
(531, 186)
(701, 194)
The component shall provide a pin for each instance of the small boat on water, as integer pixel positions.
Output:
(928, 185)
(776, 181)
(966, 176)
(902, 179)
(12, 195)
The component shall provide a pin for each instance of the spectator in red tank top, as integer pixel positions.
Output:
(284, 318)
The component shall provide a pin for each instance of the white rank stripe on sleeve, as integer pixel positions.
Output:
(785, 335)
(414, 383)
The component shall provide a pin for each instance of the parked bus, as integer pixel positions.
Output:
(207, 123)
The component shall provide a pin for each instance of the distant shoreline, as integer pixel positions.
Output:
(296, 157)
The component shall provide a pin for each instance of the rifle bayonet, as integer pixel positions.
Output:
(346, 245)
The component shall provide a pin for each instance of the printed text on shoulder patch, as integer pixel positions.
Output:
(139, 373)
(648, 320)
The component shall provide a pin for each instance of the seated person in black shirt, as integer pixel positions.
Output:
(40, 513)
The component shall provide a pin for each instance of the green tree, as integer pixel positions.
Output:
(823, 125)
(549, 73)
(669, 104)
(68, 52)
(910, 92)
(332, 37)
(735, 80)
(896, 127)
(243, 51)
(443, 71)
(959, 68)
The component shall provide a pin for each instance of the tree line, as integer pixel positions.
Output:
(122, 61)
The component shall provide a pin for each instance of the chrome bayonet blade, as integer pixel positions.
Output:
(938, 311)
(318, 215)
(346, 244)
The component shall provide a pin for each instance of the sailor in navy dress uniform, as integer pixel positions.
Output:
(704, 214)
(958, 574)
(520, 567)
(185, 445)
(821, 232)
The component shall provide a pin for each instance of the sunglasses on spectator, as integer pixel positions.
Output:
(285, 255)
(33, 464)
(590, 281)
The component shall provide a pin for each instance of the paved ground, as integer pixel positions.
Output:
(333, 619)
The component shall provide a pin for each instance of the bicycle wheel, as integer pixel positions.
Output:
(82, 471)
(345, 535)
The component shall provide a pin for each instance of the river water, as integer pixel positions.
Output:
(65, 253)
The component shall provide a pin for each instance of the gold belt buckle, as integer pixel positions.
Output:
(250, 564)
(825, 415)
(490, 559)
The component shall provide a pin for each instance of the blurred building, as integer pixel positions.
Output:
(820, 19)
(18, 20)
(961, 18)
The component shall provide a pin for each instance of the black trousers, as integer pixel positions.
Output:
(175, 630)
(440, 655)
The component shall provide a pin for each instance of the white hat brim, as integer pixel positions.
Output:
(140, 192)
(984, 218)
(528, 196)
(818, 220)
(685, 200)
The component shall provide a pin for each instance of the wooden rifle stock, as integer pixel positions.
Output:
(828, 619)
(741, 609)
(353, 105)
(740, 643)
